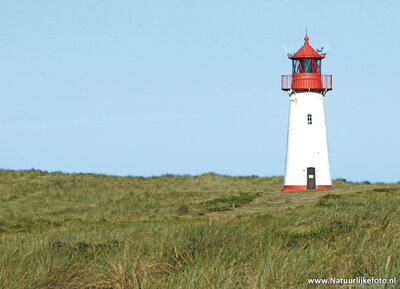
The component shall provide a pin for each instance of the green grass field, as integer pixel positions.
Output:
(209, 231)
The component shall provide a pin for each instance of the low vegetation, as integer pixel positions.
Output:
(209, 231)
(229, 203)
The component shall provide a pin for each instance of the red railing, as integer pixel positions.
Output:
(326, 81)
(304, 82)
(286, 82)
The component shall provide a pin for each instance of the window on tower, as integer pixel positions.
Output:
(309, 119)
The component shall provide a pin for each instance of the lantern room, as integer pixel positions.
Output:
(306, 71)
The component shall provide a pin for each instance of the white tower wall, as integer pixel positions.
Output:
(307, 144)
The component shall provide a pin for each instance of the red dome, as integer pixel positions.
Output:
(306, 51)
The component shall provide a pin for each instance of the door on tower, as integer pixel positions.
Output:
(310, 178)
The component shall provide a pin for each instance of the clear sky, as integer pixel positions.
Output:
(188, 87)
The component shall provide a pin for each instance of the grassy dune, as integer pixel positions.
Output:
(210, 231)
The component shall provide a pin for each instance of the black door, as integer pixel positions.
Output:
(310, 178)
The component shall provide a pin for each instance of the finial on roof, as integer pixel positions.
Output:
(306, 38)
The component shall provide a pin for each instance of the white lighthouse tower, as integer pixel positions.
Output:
(307, 159)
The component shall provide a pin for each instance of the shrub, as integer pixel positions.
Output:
(228, 203)
(182, 210)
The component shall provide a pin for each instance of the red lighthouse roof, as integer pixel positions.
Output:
(306, 51)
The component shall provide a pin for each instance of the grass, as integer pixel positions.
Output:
(229, 203)
(209, 231)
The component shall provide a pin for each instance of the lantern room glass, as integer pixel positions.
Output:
(306, 65)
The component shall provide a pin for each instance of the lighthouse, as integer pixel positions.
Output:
(307, 159)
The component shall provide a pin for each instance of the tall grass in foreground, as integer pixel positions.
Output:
(94, 231)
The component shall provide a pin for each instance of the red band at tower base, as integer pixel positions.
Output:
(303, 188)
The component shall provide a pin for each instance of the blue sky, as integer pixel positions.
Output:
(188, 87)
